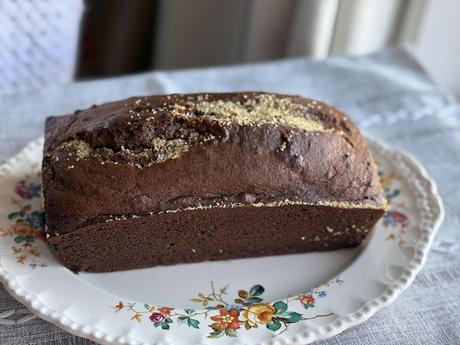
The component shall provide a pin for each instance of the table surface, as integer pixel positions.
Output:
(389, 96)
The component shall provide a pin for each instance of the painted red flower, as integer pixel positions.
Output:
(398, 217)
(307, 299)
(119, 306)
(156, 317)
(39, 235)
(226, 319)
(21, 190)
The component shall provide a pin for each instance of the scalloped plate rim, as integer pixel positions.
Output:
(337, 326)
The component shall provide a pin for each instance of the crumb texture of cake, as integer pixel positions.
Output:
(164, 169)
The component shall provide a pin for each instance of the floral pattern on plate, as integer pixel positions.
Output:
(247, 311)
(226, 319)
(28, 223)
(89, 298)
(395, 218)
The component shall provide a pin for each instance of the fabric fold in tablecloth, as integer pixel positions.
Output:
(386, 93)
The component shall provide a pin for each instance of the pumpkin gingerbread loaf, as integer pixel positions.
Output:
(184, 178)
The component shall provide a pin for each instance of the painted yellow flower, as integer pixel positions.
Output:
(387, 180)
(22, 229)
(258, 314)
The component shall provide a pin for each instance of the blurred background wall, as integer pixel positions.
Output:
(121, 36)
(45, 42)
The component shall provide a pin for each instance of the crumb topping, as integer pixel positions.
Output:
(169, 149)
(286, 202)
(80, 148)
(282, 147)
(263, 109)
(348, 204)
(280, 203)
(169, 130)
(161, 150)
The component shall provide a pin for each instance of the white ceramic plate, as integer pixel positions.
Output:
(272, 300)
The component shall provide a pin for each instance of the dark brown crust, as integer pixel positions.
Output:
(237, 164)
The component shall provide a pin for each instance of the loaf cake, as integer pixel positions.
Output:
(193, 177)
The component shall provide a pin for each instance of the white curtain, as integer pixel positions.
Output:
(38, 42)
(210, 32)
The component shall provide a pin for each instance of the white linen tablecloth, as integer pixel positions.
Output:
(388, 94)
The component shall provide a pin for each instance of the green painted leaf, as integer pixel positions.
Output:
(189, 311)
(253, 300)
(146, 306)
(274, 325)
(29, 239)
(168, 320)
(211, 307)
(256, 290)
(215, 327)
(181, 318)
(165, 325)
(215, 335)
(156, 324)
(15, 215)
(193, 323)
(293, 317)
(280, 307)
(19, 239)
(231, 332)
